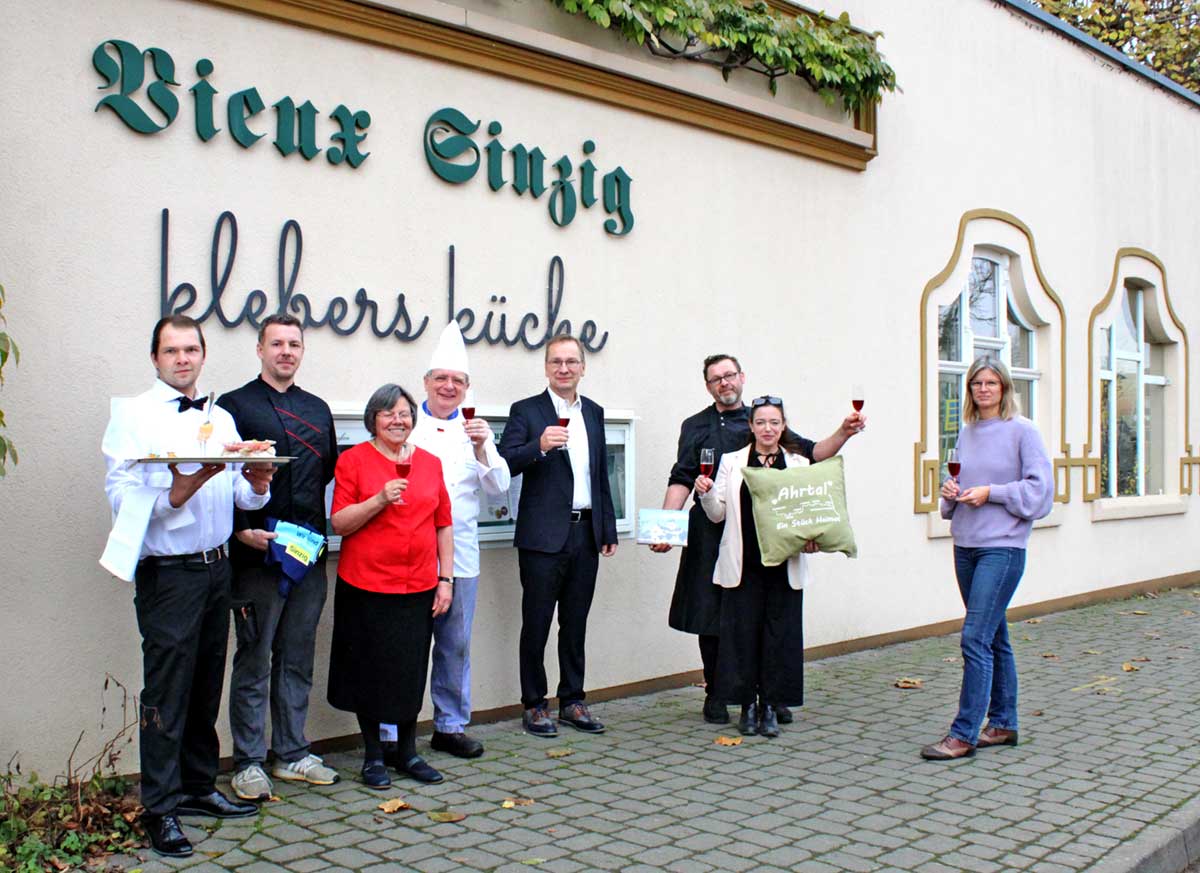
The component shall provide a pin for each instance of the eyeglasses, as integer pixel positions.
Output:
(569, 363)
(989, 384)
(766, 400)
(724, 377)
(388, 415)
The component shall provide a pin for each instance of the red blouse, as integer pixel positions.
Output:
(396, 551)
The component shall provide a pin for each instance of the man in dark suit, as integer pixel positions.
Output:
(565, 520)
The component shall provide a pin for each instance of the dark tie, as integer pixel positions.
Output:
(186, 403)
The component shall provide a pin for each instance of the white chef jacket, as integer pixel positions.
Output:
(151, 423)
(464, 476)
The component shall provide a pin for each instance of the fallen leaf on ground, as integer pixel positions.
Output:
(533, 862)
(1129, 668)
(1033, 621)
(908, 682)
(394, 805)
(445, 816)
(1152, 595)
(728, 741)
(1140, 660)
(1050, 656)
(1188, 612)
(1099, 680)
(1139, 612)
(1036, 712)
(1092, 652)
(510, 802)
(559, 753)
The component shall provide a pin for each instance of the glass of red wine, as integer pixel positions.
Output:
(953, 464)
(706, 462)
(857, 397)
(563, 422)
(403, 465)
(468, 412)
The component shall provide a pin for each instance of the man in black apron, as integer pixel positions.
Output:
(696, 605)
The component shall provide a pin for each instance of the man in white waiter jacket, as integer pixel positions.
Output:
(182, 576)
(470, 466)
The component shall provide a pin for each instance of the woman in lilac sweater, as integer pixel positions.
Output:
(1005, 483)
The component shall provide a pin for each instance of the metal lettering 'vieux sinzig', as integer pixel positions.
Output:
(123, 66)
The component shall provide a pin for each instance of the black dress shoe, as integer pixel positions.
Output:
(748, 722)
(375, 775)
(768, 721)
(536, 721)
(418, 769)
(783, 715)
(578, 717)
(715, 711)
(215, 805)
(166, 835)
(460, 745)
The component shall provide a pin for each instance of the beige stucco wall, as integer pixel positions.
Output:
(812, 274)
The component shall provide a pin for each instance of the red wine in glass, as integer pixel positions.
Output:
(954, 467)
(858, 405)
(707, 459)
(564, 422)
(468, 412)
(857, 397)
(706, 470)
(403, 468)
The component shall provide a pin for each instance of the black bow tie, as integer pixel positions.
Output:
(186, 403)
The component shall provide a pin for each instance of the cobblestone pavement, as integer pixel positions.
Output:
(1106, 764)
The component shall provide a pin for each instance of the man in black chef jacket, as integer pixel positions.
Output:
(723, 427)
(276, 632)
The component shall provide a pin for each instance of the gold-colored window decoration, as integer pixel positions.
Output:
(990, 300)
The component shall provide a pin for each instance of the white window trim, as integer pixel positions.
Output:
(1144, 506)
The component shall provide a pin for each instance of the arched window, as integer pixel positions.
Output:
(983, 320)
(992, 300)
(1136, 398)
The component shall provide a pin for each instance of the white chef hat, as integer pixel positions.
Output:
(451, 351)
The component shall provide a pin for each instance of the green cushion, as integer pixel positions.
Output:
(798, 504)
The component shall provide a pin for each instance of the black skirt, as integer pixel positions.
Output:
(696, 602)
(379, 657)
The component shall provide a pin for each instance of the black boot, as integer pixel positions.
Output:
(768, 723)
(715, 711)
(748, 723)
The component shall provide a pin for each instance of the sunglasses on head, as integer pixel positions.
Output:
(766, 400)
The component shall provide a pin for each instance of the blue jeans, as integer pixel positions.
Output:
(987, 579)
(450, 681)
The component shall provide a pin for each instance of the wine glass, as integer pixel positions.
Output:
(706, 462)
(403, 466)
(953, 464)
(563, 422)
(468, 412)
(857, 397)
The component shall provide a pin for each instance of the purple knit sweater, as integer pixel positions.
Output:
(1011, 458)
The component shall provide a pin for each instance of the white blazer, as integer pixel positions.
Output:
(723, 502)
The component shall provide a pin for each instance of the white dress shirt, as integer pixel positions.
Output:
(577, 449)
(464, 475)
(151, 423)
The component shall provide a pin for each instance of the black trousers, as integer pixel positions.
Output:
(710, 645)
(566, 580)
(762, 643)
(183, 616)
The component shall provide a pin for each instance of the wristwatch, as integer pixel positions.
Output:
(449, 579)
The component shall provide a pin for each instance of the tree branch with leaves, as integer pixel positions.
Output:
(8, 351)
(836, 60)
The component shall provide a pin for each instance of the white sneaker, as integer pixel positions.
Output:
(310, 769)
(252, 784)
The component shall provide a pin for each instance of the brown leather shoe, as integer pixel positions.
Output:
(993, 736)
(947, 750)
